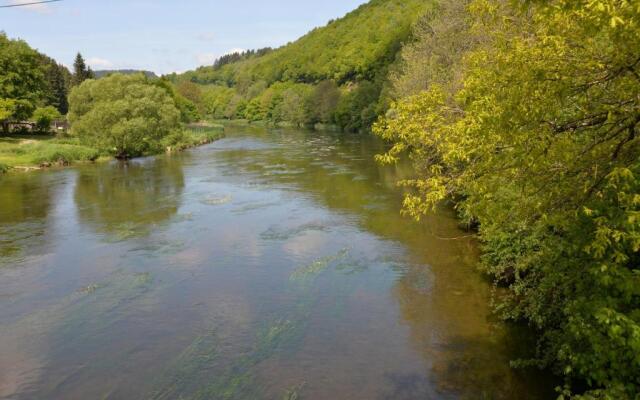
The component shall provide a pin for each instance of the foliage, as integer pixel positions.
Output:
(535, 135)
(301, 83)
(188, 109)
(21, 80)
(44, 116)
(193, 136)
(57, 79)
(124, 115)
(238, 56)
(80, 71)
(351, 48)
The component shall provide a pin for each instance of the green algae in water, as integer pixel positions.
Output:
(238, 381)
(186, 372)
(275, 233)
(311, 271)
(216, 200)
(196, 374)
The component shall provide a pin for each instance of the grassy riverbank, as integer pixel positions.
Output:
(24, 152)
(31, 151)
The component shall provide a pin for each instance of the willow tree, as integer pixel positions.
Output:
(540, 144)
(124, 115)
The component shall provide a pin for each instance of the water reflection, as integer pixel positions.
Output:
(127, 200)
(25, 203)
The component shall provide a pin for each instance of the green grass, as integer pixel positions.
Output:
(34, 151)
(28, 151)
(194, 136)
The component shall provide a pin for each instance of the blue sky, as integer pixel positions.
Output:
(163, 35)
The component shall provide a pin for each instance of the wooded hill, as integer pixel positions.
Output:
(350, 56)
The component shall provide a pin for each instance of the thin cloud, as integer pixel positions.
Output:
(96, 62)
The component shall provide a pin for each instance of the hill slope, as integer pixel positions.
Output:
(351, 48)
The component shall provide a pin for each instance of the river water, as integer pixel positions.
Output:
(272, 264)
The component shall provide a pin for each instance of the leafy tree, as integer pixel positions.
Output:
(536, 135)
(324, 101)
(123, 115)
(21, 80)
(191, 92)
(189, 111)
(44, 116)
(356, 109)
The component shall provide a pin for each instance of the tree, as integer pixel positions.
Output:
(44, 116)
(356, 110)
(80, 71)
(21, 80)
(324, 101)
(124, 115)
(57, 79)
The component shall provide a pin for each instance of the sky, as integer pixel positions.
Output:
(163, 36)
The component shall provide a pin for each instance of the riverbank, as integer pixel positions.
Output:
(34, 152)
(320, 127)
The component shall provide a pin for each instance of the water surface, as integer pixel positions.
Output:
(272, 264)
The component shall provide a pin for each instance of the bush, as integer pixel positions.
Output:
(44, 116)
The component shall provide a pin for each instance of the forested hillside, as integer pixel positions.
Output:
(527, 117)
(333, 75)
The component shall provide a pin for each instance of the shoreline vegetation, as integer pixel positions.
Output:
(41, 151)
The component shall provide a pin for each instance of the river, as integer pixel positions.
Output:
(272, 264)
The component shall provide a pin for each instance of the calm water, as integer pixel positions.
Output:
(267, 265)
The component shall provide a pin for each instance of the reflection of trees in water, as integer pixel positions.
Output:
(128, 199)
(25, 203)
(467, 355)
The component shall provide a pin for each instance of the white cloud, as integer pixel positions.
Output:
(40, 8)
(98, 63)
